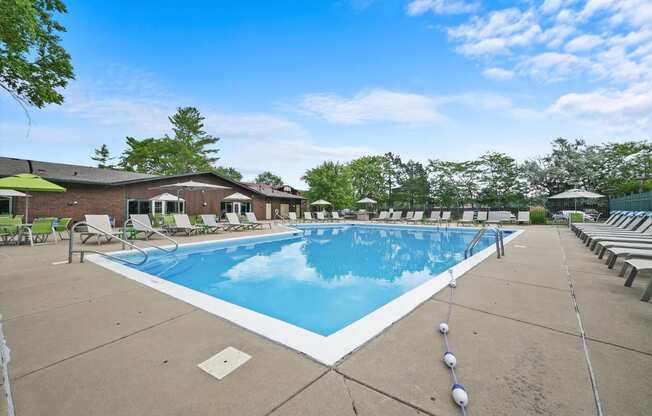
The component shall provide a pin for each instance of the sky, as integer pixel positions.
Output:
(288, 84)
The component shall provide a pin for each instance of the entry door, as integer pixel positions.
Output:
(285, 208)
(237, 208)
(268, 211)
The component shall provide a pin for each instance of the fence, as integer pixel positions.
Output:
(633, 202)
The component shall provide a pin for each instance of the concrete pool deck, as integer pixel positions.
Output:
(87, 341)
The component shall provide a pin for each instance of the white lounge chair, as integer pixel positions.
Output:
(292, 216)
(320, 216)
(629, 253)
(141, 224)
(482, 217)
(417, 218)
(233, 223)
(101, 223)
(336, 216)
(636, 266)
(382, 216)
(434, 217)
(307, 216)
(445, 217)
(251, 219)
(182, 224)
(210, 223)
(408, 216)
(467, 218)
(523, 216)
(396, 216)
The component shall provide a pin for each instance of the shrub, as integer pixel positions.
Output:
(576, 217)
(537, 215)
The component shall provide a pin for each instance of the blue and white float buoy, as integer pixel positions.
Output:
(443, 328)
(450, 359)
(459, 395)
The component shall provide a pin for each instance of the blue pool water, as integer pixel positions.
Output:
(321, 280)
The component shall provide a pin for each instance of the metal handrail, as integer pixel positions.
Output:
(498, 236)
(148, 228)
(81, 252)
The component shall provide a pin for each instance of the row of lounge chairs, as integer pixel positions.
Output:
(40, 231)
(625, 235)
(468, 217)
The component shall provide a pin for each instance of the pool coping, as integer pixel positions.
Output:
(325, 349)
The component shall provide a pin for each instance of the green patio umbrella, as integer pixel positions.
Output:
(31, 183)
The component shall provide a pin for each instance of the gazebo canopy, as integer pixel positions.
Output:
(5, 193)
(29, 182)
(366, 201)
(576, 193)
(166, 197)
(236, 197)
(320, 202)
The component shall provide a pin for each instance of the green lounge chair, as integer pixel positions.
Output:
(9, 230)
(41, 231)
(63, 227)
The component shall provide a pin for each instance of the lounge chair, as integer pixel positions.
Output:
(602, 246)
(433, 218)
(292, 216)
(408, 216)
(395, 216)
(210, 223)
(251, 219)
(10, 229)
(336, 216)
(629, 253)
(321, 217)
(636, 266)
(481, 217)
(382, 216)
(307, 216)
(417, 218)
(41, 231)
(523, 216)
(233, 223)
(445, 217)
(467, 218)
(63, 226)
(101, 223)
(182, 224)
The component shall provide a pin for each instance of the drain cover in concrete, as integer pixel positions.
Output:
(224, 362)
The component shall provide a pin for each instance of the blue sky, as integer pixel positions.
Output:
(289, 84)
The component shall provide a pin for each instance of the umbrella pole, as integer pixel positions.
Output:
(26, 210)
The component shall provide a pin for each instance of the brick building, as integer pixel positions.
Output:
(119, 193)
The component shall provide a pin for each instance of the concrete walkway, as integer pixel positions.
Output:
(85, 341)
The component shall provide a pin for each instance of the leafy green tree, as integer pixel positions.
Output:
(501, 179)
(103, 157)
(269, 178)
(330, 181)
(229, 173)
(33, 64)
(369, 177)
(413, 187)
(186, 152)
(393, 175)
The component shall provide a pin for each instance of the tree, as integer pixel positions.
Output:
(332, 182)
(501, 180)
(413, 187)
(186, 152)
(229, 173)
(33, 64)
(392, 175)
(369, 177)
(269, 178)
(102, 157)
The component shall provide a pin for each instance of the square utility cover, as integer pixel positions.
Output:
(224, 362)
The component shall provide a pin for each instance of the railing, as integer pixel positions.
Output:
(148, 229)
(498, 234)
(106, 234)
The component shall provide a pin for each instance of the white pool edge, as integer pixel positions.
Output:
(327, 350)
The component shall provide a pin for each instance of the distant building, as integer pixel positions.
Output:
(120, 193)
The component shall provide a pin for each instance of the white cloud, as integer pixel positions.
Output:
(498, 74)
(376, 105)
(583, 43)
(418, 7)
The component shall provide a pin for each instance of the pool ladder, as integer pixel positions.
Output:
(123, 240)
(498, 236)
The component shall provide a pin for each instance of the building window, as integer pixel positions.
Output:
(174, 207)
(5, 205)
(136, 206)
(237, 207)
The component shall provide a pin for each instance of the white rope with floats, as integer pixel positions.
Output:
(460, 397)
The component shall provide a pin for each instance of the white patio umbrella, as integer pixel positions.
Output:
(321, 203)
(576, 194)
(165, 197)
(366, 201)
(190, 186)
(11, 193)
(236, 197)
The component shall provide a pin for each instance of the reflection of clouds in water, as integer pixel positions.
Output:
(290, 264)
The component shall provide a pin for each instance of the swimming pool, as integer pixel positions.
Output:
(322, 283)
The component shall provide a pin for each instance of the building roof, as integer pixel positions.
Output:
(61, 172)
(67, 173)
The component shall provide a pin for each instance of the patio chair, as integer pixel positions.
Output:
(396, 216)
(434, 217)
(101, 223)
(636, 266)
(629, 253)
(307, 216)
(9, 230)
(408, 216)
(142, 224)
(603, 246)
(182, 224)
(481, 217)
(523, 216)
(321, 217)
(445, 217)
(292, 216)
(41, 231)
(336, 216)
(467, 218)
(251, 219)
(417, 218)
(63, 226)
(210, 223)
(382, 216)
(233, 223)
